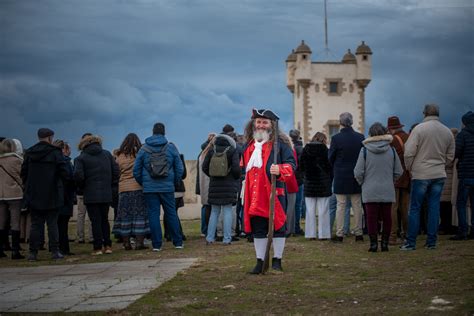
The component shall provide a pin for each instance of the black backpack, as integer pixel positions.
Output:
(158, 166)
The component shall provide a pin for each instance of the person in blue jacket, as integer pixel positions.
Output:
(159, 190)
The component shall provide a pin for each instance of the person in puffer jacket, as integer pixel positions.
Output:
(222, 190)
(464, 152)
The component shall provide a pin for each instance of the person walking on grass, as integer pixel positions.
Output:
(376, 170)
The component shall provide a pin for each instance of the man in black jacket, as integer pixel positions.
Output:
(43, 172)
(464, 152)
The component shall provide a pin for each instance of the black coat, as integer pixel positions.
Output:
(223, 190)
(43, 171)
(69, 190)
(316, 169)
(465, 148)
(298, 145)
(95, 173)
(343, 155)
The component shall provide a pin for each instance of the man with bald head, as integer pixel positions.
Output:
(428, 150)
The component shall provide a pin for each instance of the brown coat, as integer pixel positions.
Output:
(10, 188)
(398, 142)
(127, 182)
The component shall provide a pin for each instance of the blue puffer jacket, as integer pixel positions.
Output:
(142, 162)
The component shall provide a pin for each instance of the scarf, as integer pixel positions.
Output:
(256, 158)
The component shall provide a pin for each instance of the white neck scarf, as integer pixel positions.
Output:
(256, 158)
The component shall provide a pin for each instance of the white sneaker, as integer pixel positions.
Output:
(156, 249)
(179, 247)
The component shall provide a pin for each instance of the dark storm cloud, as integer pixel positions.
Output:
(112, 67)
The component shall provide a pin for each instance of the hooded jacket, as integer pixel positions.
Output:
(95, 171)
(142, 162)
(377, 170)
(43, 171)
(316, 170)
(465, 148)
(223, 190)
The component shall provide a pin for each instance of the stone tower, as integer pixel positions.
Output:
(323, 90)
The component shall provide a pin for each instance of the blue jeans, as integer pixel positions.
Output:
(153, 203)
(465, 191)
(432, 189)
(212, 227)
(347, 214)
(298, 208)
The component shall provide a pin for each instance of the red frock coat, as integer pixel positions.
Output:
(258, 187)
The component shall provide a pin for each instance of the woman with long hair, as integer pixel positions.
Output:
(132, 217)
(317, 186)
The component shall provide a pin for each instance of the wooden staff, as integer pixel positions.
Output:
(271, 215)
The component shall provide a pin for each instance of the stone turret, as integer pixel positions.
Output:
(303, 64)
(290, 71)
(364, 65)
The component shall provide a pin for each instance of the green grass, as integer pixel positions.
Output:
(319, 278)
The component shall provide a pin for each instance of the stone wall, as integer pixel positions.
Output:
(190, 183)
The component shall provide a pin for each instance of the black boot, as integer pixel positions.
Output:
(140, 243)
(126, 243)
(276, 264)
(373, 243)
(16, 245)
(384, 243)
(258, 267)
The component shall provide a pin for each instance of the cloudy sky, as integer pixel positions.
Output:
(114, 67)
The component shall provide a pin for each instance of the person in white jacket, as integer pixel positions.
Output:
(428, 150)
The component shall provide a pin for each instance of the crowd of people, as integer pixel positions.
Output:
(396, 185)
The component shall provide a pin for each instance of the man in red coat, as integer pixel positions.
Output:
(258, 160)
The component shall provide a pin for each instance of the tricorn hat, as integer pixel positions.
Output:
(394, 122)
(264, 113)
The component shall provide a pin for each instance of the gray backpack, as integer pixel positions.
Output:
(158, 166)
(219, 166)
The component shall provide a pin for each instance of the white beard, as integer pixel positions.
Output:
(261, 135)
